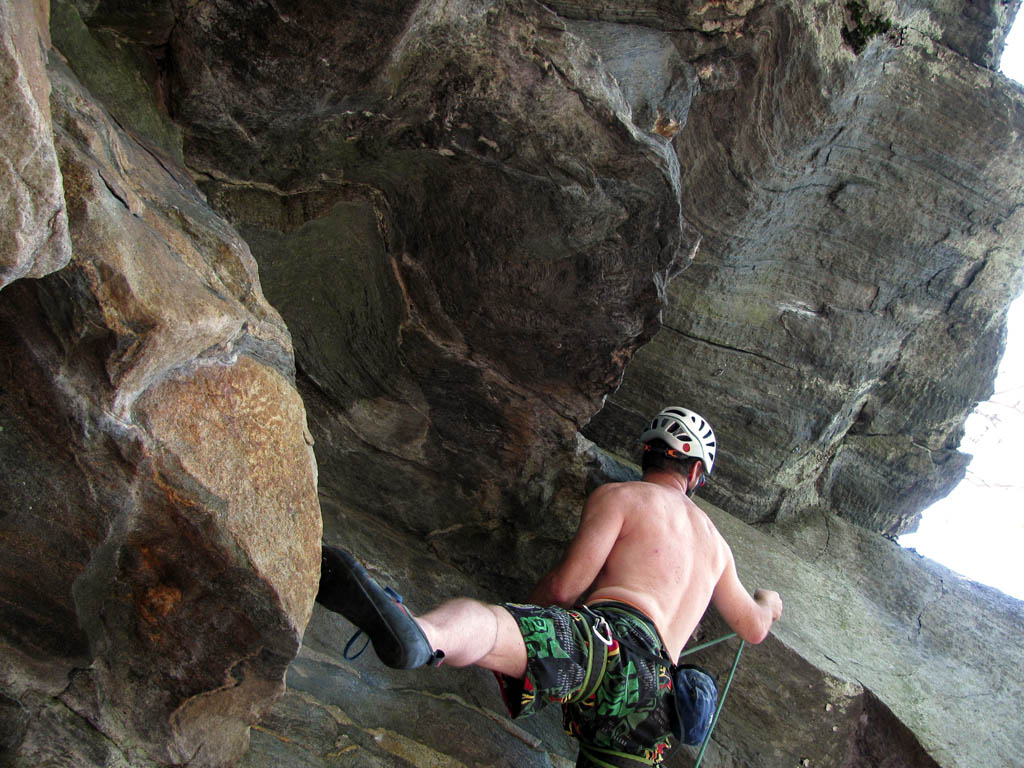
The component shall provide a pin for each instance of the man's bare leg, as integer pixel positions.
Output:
(471, 632)
(462, 631)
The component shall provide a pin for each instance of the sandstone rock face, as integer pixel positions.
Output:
(475, 246)
(879, 653)
(152, 437)
(33, 226)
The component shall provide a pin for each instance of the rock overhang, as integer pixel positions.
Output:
(469, 243)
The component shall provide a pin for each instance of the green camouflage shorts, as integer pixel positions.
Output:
(626, 721)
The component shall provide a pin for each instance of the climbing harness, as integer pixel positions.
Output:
(598, 636)
(697, 704)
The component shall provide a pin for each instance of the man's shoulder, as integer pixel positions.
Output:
(650, 498)
(634, 495)
(625, 488)
(617, 496)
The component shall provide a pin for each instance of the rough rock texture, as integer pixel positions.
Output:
(33, 225)
(434, 258)
(834, 333)
(879, 653)
(477, 219)
(159, 519)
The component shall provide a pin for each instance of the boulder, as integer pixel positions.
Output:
(33, 226)
(467, 266)
(152, 436)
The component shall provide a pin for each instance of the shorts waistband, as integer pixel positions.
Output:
(623, 606)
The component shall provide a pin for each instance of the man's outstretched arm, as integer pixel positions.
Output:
(600, 525)
(749, 617)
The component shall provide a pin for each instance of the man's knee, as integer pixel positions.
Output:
(508, 641)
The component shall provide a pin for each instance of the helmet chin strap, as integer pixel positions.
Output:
(692, 486)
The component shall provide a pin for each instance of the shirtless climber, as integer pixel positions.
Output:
(640, 571)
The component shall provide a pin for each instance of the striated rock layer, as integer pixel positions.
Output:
(475, 246)
(860, 246)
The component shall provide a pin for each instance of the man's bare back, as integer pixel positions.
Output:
(647, 544)
(666, 560)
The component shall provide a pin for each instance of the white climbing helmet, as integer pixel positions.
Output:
(685, 431)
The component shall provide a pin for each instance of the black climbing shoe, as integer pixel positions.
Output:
(346, 588)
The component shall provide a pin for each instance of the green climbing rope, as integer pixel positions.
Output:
(725, 691)
(708, 644)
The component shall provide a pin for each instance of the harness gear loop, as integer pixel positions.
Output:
(610, 758)
(597, 661)
(599, 649)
